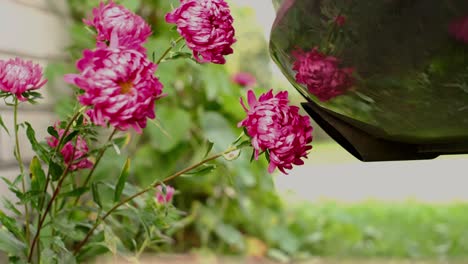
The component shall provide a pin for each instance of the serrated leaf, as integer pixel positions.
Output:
(122, 180)
(38, 148)
(2, 124)
(37, 174)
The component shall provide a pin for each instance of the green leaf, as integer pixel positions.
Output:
(122, 180)
(10, 206)
(9, 244)
(55, 170)
(38, 148)
(118, 143)
(74, 193)
(2, 124)
(30, 196)
(51, 130)
(70, 136)
(65, 256)
(178, 55)
(37, 174)
(209, 147)
(175, 126)
(202, 170)
(111, 241)
(95, 192)
(10, 224)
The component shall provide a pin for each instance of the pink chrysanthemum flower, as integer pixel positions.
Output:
(74, 152)
(206, 26)
(119, 85)
(459, 29)
(130, 30)
(277, 128)
(244, 79)
(322, 74)
(18, 76)
(164, 198)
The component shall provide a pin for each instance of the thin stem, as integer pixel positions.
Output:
(150, 187)
(98, 159)
(49, 206)
(21, 166)
(169, 49)
(56, 150)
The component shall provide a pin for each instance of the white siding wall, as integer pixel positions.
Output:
(34, 30)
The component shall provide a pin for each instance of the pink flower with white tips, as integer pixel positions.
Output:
(277, 128)
(130, 30)
(119, 87)
(18, 76)
(206, 26)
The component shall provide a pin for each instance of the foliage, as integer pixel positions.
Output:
(218, 205)
(407, 229)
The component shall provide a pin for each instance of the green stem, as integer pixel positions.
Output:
(150, 187)
(48, 207)
(56, 150)
(21, 166)
(98, 159)
(169, 49)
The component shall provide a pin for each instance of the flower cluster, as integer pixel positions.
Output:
(277, 128)
(18, 76)
(74, 152)
(321, 74)
(459, 29)
(206, 26)
(118, 79)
